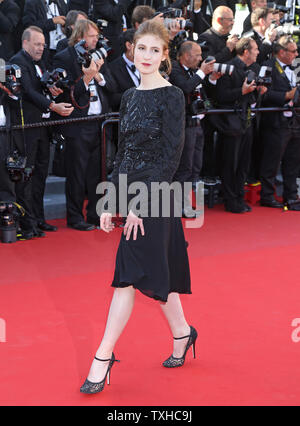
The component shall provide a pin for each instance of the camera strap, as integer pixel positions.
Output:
(75, 104)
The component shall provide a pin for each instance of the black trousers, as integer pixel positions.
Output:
(280, 145)
(236, 154)
(192, 156)
(7, 187)
(30, 195)
(83, 161)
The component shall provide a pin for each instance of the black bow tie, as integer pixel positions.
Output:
(286, 66)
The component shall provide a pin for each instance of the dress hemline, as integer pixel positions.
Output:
(155, 297)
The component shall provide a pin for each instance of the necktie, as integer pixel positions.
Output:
(133, 68)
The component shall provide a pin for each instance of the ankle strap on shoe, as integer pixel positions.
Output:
(99, 359)
(183, 337)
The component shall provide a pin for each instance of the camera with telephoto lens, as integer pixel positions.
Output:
(222, 68)
(288, 28)
(10, 78)
(85, 56)
(57, 78)
(264, 78)
(170, 15)
(16, 167)
(10, 213)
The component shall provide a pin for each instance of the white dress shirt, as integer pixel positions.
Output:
(290, 75)
(57, 34)
(2, 116)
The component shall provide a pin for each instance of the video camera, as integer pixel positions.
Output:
(16, 167)
(171, 15)
(85, 56)
(57, 78)
(264, 78)
(10, 79)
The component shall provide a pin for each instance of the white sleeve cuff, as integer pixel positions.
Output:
(201, 74)
(102, 82)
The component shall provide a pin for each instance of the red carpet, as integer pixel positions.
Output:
(55, 294)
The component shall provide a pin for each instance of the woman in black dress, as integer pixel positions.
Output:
(152, 255)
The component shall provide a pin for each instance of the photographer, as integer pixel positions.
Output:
(36, 108)
(281, 130)
(89, 91)
(189, 76)
(50, 17)
(7, 188)
(235, 92)
(255, 4)
(262, 33)
(72, 17)
(216, 41)
(123, 70)
(9, 18)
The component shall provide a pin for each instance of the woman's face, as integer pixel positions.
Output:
(148, 54)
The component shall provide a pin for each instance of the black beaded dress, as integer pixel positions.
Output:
(151, 138)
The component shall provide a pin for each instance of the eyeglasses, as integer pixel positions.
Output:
(229, 19)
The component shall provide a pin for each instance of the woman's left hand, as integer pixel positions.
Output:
(133, 223)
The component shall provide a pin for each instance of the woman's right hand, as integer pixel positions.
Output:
(133, 223)
(106, 223)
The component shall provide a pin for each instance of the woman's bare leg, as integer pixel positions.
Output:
(119, 313)
(179, 327)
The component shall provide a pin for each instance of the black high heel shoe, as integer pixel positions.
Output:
(90, 387)
(173, 362)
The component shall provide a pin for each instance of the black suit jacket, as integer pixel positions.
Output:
(82, 5)
(275, 96)
(229, 95)
(112, 12)
(180, 77)
(9, 18)
(123, 81)
(35, 103)
(214, 44)
(67, 59)
(35, 13)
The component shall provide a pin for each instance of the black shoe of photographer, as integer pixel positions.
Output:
(293, 205)
(44, 226)
(245, 206)
(271, 203)
(82, 226)
(37, 232)
(233, 206)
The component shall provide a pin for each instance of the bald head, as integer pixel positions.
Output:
(222, 20)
